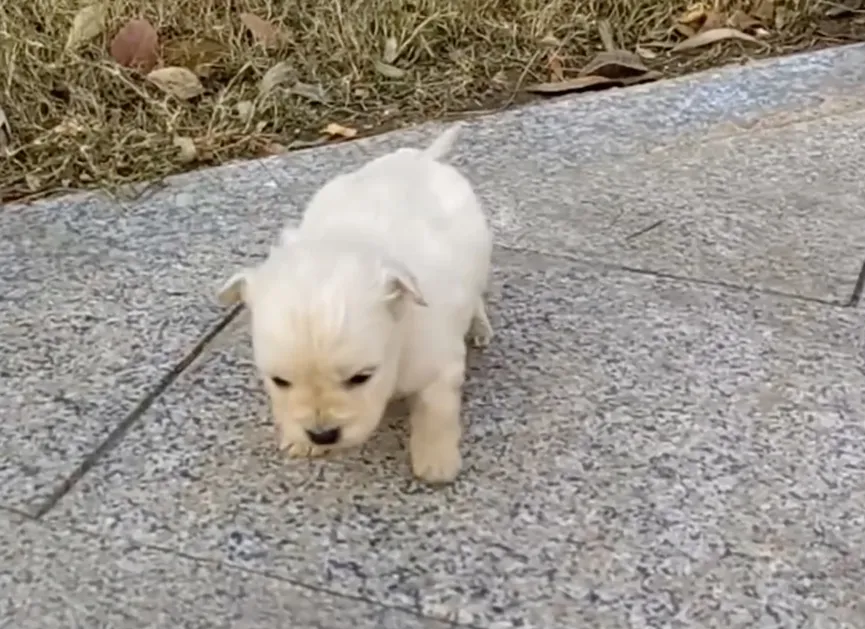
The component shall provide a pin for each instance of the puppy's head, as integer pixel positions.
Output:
(327, 327)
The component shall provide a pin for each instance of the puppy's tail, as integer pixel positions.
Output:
(443, 144)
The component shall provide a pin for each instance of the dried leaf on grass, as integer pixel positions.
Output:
(136, 45)
(186, 151)
(714, 36)
(390, 50)
(744, 22)
(391, 72)
(557, 70)
(337, 130)
(245, 109)
(87, 24)
(5, 131)
(646, 53)
(278, 74)
(200, 55)
(615, 64)
(263, 31)
(314, 93)
(764, 10)
(590, 82)
(274, 148)
(578, 84)
(605, 32)
(179, 82)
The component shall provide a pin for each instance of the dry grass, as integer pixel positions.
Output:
(78, 119)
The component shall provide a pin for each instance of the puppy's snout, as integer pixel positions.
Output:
(324, 437)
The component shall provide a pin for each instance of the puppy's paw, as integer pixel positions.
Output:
(480, 333)
(480, 341)
(301, 450)
(435, 462)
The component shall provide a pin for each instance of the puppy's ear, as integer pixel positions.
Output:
(234, 290)
(401, 283)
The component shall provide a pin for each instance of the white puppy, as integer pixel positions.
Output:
(372, 298)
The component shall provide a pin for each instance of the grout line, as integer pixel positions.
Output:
(123, 539)
(123, 427)
(856, 296)
(300, 584)
(693, 280)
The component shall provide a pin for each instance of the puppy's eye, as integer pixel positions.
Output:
(358, 379)
(282, 383)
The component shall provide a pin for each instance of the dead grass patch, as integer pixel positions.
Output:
(78, 118)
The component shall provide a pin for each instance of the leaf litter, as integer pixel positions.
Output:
(80, 67)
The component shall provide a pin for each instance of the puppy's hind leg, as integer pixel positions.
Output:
(480, 332)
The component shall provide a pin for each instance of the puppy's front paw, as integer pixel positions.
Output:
(480, 341)
(435, 462)
(301, 450)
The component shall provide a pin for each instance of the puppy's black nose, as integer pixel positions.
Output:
(323, 437)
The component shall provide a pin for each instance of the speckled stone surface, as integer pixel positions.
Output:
(54, 579)
(640, 452)
(746, 176)
(101, 299)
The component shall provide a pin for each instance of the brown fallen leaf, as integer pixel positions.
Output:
(201, 55)
(337, 130)
(712, 21)
(263, 31)
(557, 70)
(136, 45)
(390, 50)
(614, 64)
(391, 72)
(839, 10)
(278, 74)
(648, 77)
(780, 18)
(605, 32)
(693, 17)
(646, 53)
(764, 10)
(744, 22)
(714, 36)
(179, 82)
(314, 93)
(5, 131)
(186, 151)
(87, 24)
(577, 84)
(245, 109)
(273, 148)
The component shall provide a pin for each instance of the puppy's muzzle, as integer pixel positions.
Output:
(326, 437)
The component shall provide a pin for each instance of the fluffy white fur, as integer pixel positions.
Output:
(384, 278)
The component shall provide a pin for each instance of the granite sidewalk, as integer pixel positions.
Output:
(669, 430)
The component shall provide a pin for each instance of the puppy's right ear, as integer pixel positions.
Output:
(235, 289)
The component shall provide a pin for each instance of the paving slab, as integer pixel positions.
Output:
(640, 452)
(53, 578)
(122, 290)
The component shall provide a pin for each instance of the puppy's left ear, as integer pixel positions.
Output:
(400, 282)
(234, 290)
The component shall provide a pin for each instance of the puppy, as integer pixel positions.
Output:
(372, 298)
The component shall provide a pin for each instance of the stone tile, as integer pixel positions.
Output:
(101, 299)
(52, 578)
(776, 209)
(639, 452)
